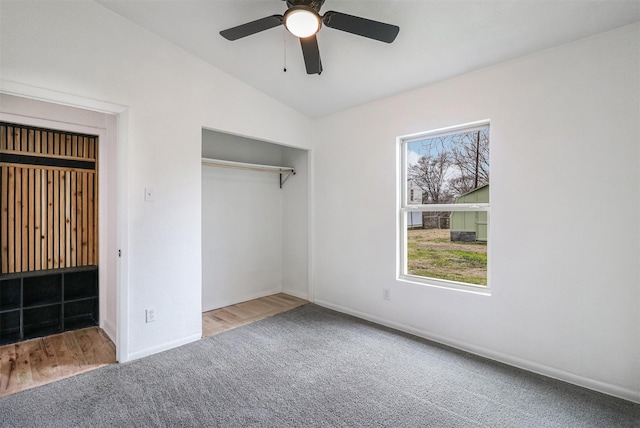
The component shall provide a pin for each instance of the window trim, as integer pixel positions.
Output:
(404, 207)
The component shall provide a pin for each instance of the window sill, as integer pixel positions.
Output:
(449, 285)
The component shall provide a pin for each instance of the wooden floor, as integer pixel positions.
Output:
(39, 361)
(36, 362)
(219, 320)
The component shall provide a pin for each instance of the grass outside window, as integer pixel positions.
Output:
(432, 254)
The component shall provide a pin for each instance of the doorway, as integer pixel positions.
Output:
(105, 217)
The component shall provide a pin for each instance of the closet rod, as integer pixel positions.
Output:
(287, 171)
(248, 166)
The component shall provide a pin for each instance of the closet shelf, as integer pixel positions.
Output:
(285, 171)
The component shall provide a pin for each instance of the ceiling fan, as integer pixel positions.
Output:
(303, 20)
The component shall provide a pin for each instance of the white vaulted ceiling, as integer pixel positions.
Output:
(438, 39)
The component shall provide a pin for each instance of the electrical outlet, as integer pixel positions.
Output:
(150, 315)
(386, 294)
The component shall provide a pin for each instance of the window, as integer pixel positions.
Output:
(443, 237)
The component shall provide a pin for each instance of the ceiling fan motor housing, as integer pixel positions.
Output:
(314, 4)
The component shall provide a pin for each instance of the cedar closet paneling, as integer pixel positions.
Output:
(49, 199)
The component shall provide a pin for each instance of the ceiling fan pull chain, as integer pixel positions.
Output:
(284, 44)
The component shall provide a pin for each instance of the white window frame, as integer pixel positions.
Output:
(405, 207)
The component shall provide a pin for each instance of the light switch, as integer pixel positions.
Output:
(148, 194)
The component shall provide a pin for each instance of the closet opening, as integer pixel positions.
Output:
(254, 220)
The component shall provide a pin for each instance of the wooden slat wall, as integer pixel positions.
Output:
(49, 214)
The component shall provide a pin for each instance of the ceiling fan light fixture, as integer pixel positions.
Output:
(302, 21)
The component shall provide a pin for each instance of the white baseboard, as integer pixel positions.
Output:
(109, 329)
(244, 298)
(164, 347)
(298, 294)
(531, 366)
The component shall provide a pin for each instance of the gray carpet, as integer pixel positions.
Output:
(313, 367)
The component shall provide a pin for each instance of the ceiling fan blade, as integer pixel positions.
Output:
(361, 26)
(311, 54)
(252, 27)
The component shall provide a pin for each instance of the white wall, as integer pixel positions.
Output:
(78, 48)
(565, 204)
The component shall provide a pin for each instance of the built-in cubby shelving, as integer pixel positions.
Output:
(40, 303)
